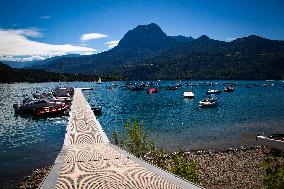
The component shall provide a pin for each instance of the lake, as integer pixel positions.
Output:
(170, 120)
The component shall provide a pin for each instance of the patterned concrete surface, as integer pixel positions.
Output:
(88, 160)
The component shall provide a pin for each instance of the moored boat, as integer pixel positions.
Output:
(97, 110)
(208, 102)
(41, 107)
(152, 90)
(188, 94)
(211, 91)
(172, 88)
(137, 88)
(228, 89)
(275, 141)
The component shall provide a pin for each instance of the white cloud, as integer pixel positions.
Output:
(92, 36)
(231, 38)
(28, 32)
(44, 17)
(112, 44)
(15, 43)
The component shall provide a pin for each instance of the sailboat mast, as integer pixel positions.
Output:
(60, 67)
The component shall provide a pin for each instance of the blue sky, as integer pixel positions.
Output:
(56, 22)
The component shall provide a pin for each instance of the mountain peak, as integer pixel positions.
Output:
(149, 28)
(144, 36)
(203, 37)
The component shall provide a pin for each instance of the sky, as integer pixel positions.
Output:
(34, 29)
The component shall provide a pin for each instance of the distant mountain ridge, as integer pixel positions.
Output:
(35, 63)
(146, 52)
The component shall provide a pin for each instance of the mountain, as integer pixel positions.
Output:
(142, 42)
(18, 64)
(250, 57)
(146, 52)
(35, 63)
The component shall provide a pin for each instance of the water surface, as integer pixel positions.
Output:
(170, 120)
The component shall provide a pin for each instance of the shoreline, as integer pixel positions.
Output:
(230, 168)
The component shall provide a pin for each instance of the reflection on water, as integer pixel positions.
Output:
(170, 120)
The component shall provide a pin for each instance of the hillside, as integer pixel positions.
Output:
(8, 74)
(245, 58)
(146, 52)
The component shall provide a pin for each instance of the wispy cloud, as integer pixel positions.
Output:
(92, 36)
(112, 44)
(231, 38)
(44, 17)
(15, 43)
(28, 32)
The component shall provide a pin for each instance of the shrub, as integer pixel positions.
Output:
(183, 168)
(274, 171)
(134, 139)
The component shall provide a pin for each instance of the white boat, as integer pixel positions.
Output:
(273, 141)
(99, 81)
(188, 94)
(211, 91)
(208, 102)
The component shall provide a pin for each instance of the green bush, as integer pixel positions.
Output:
(274, 171)
(183, 168)
(134, 139)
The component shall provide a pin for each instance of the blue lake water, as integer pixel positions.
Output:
(170, 120)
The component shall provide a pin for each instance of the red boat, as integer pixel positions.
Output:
(41, 107)
(152, 90)
(53, 110)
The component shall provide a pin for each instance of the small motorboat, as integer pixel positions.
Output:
(208, 102)
(41, 107)
(137, 88)
(171, 88)
(228, 89)
(114, 85)
(63, 93)
(275, 141)
(188, 94)
(49, 96)
(211, 91)
(152, 90)
(97, 110)
(150, 83)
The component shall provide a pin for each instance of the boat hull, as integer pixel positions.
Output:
(276, 144)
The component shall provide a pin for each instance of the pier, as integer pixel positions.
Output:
(89, 160)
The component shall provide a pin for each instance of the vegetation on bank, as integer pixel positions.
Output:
(8, 74)
(263, 166)
(274, 170)
(134, 139)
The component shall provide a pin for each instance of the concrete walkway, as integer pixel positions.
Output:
(88, 160)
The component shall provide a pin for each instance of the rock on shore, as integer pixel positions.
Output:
(234, 168)
(34, 180)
